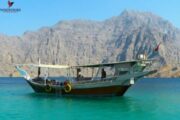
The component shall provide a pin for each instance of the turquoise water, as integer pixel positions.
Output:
(148, 99)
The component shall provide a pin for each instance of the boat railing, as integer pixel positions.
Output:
(43, 80)
(98, 79)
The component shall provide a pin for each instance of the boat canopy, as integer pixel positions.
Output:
(132, 62)
(83, 66)
(46, 66)
(107, 64)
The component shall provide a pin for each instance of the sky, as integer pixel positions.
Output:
(35, 14)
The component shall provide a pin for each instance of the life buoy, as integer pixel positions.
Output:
(48, 88)
(67, 88)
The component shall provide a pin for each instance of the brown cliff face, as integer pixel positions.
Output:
(83, 42)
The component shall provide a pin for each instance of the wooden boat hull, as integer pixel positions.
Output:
(114, 86)
(116, 90)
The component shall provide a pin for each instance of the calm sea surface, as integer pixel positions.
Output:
(148, 99)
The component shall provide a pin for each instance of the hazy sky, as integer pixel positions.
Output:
(38, 13)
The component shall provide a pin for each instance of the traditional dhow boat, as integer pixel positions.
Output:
(109, 79)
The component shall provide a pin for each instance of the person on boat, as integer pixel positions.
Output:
(103, 73)
(79, 75)
(39, 71)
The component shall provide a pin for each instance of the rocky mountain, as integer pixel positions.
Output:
(76, 42)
